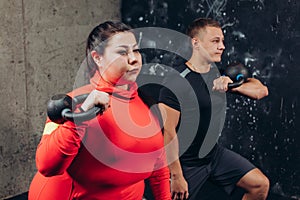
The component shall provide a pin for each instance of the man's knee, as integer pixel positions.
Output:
(256, 184)
(255, 180)
(261, 189)
(264, 183)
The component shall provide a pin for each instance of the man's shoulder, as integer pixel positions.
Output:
(175, 80)
(175, 72)
(180, 67)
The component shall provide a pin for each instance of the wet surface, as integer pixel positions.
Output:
(265, 36)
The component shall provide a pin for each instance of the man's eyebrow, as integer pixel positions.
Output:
(218, 37)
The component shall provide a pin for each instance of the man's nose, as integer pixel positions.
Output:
(221, 45)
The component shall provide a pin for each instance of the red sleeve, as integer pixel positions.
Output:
(160, 184)
(57, 150)
(160, 179)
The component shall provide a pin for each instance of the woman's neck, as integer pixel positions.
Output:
(123, 87)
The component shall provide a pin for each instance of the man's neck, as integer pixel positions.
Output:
(198, 65)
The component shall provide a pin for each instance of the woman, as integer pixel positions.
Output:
(110, 156)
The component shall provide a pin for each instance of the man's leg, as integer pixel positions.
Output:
(256, 185)
(231, 170)
(196, 177)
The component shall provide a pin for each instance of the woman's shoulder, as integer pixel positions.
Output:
(86, 89)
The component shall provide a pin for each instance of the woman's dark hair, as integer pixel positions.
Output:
(97, 40)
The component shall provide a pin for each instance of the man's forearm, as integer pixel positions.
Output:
(172, 150)
(253, 89)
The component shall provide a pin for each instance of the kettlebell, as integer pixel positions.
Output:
(60, 108)
(238, 73)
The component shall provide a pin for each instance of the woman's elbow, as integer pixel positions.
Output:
(47, 171)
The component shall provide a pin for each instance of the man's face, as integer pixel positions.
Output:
(211, 43)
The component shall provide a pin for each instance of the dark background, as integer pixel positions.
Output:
(265, 36)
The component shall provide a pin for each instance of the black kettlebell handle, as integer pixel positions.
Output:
(238, 73)
(60, 108)
(238, 83)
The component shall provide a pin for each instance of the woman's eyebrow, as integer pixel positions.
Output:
(127, 46)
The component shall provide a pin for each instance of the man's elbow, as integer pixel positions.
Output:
(169, 132)
(263, 92)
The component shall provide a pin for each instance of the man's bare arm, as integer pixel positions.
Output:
(179, 187)
(253, 88)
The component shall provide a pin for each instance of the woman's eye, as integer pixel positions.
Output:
(123, 53)
(136, 51)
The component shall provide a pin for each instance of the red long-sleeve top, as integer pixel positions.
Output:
(108, 157)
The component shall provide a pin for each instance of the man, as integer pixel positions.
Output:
(195, 91)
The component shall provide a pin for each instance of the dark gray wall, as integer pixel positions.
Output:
(42, 44)
(265, 36)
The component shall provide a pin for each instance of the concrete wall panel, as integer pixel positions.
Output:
(42, 46)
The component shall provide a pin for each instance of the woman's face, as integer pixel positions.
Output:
(121, 61)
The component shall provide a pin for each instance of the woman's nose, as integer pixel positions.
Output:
(132, 57)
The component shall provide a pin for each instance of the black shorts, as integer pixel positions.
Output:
(225, 170)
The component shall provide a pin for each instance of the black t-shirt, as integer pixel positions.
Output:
(202, 112)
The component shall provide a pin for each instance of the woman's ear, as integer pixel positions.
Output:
(96, 57)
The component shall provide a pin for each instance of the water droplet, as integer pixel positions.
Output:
(251, 138)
